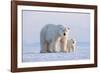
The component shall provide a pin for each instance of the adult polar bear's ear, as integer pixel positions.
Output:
(68, 28)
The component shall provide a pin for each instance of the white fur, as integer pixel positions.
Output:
(51, 36)
(71, 45)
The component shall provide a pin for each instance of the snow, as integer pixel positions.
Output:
(32, 54)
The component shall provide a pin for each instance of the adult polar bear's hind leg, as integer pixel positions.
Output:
(43, 43)
(44, 39)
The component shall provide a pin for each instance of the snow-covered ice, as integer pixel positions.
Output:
(32, 54)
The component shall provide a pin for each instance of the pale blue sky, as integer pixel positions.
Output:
(33, 21)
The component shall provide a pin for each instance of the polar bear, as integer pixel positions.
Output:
(50, 37)
(71, 45)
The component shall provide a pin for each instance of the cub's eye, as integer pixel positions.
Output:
(64, 34)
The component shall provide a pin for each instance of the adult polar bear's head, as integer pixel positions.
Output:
(62, 30)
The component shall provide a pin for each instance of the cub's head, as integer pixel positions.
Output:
(73, 43)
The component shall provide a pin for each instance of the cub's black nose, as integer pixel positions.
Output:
(64, 34)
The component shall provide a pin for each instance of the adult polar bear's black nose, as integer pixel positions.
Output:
(64, 34)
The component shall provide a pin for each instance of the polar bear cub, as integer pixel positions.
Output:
(71, 45)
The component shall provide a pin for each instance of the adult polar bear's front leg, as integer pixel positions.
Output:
(54, 46)
(63, 43)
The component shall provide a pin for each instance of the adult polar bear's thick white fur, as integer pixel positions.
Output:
(51, 35)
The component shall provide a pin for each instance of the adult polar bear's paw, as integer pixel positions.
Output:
(50, 35)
